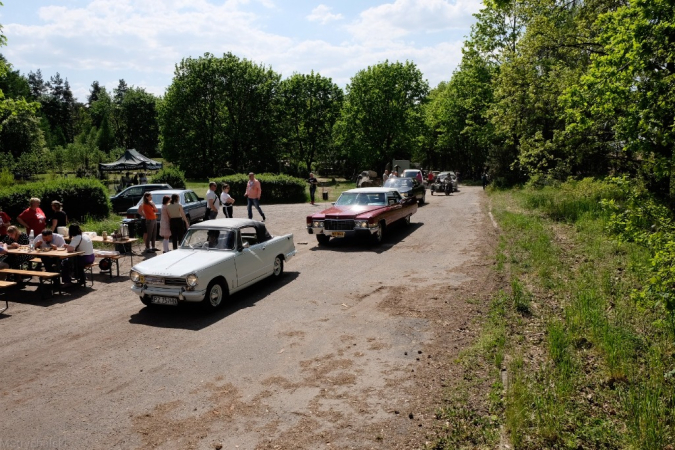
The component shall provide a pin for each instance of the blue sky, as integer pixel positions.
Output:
(142, 40)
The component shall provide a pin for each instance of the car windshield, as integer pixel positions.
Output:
(410, 173)
(398, 182)
(361, 198)
(209, 239)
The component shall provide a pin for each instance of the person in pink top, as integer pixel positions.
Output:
(253, 192)
(33, 218)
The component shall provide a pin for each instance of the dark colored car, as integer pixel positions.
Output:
(408, 187)
(361, 212)
(130, 196)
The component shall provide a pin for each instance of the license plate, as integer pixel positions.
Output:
(154, 280)
(337, 233)
(157, 300)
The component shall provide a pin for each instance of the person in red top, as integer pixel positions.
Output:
(33, 218)
(149, 211)
(431, 177)
(4, 222)
(253, 193)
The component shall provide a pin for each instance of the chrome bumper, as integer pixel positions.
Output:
(353, 232)
(182, 294)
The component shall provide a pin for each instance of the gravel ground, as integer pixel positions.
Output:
(351, 349)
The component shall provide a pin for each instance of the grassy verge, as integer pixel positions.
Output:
(586, 365)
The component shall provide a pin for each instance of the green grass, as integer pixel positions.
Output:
(598, 377)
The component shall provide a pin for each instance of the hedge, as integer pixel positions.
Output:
(171, 176)
(275, 188)
(81, 198)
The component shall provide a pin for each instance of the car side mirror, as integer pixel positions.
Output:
(245, 245)
(332, 203)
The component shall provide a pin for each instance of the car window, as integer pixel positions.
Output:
(133, 192)
(190, 197)
(398, 182)
(249, 234)
(214, 239)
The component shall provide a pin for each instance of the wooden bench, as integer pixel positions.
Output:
(115, 258)
(6, 284)
(52, 277)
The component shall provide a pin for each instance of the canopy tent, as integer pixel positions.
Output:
(131, 160)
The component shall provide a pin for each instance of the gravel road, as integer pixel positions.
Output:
(348, 350)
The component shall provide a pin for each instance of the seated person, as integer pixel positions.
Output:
(212, 239)
(16, 239)
(49, 239)
(3, 264)
(79, 243)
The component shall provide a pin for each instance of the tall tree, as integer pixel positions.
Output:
(381, 117)
(138, 112)
(310, 106)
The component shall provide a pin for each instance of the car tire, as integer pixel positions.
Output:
(379, 236)
(215, 294)
(278, 267)
(146, 301)
(322, 239)
(407, 220)
(432, 192)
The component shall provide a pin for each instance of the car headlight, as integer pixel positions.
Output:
(135, 276)
(192, 280)
(317, 224)
(361, 223)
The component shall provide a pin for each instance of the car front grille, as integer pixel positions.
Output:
(175, 282)
(338, 225)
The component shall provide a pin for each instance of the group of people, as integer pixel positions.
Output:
(127, 180)
(173, 222)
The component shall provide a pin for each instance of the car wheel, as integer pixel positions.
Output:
(407, 219)
(432, 192)
(146, 301)
(379, 235)
(322, 239)
(423, 199)
(278, 268)
(214, 296)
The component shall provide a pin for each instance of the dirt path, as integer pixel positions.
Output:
(350, 350)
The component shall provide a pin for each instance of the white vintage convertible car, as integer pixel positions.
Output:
(216, 258)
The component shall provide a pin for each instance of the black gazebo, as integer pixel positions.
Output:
(131, 160)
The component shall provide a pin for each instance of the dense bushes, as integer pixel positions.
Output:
(275, 188)
(80, 197)
(171, 176)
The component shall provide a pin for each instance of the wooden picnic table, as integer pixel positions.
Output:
(115, 258)
(53, 277)
(4, 284)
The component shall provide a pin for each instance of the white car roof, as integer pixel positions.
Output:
(223, 223)
(371, 190)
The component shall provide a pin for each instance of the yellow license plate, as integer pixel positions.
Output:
(337, 233)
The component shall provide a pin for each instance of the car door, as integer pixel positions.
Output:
(129, 198)
(250, 261)
(396, 211)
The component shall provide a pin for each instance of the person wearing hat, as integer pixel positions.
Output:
(59, 216)
(253, 193)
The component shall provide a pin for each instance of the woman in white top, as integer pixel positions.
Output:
(226, 200)
(79, 243)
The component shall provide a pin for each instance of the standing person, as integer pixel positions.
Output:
(385, 176)
(5, 221)
(143, 178)
(32, 218)
(212, 200)
(79, 243)
(59, 216)
(165, 224)
(178, 222)
(134, 180)
(253, 193)
(150, 213)
(227, 201)
(313, 183)
(484, 179)
(430, 178)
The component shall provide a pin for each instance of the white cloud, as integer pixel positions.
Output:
(322, 13)
(403, 18)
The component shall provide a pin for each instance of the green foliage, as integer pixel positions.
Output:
(275, 188)
(172, 176)
(80, 197)
(6, 178)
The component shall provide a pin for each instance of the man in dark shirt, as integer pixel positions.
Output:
(313, 182)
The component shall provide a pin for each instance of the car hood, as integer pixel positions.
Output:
(182, 262)
(348, 212)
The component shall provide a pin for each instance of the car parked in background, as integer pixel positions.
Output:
(408, 187)
(195, 207)
(216, 258)
(130, 196)
(413, 173)
(361, 212)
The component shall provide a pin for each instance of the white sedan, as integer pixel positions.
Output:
(216, 258)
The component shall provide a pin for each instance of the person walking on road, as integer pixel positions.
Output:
(313, 183)
(253, 193)
(484, 179)
(212, 200)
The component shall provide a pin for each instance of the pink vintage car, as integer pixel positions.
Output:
(361, 212)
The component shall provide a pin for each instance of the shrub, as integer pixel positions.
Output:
(275, 188)
(171, 176)
(81, 198)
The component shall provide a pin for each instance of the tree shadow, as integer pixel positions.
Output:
(190, 316)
